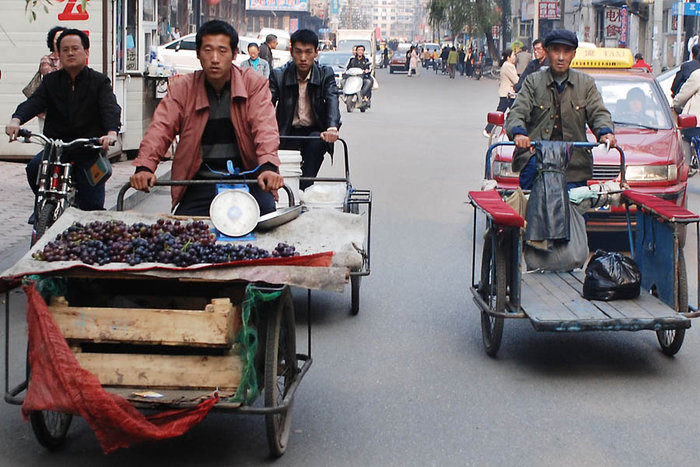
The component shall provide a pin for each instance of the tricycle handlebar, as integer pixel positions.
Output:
(576, 144)
(127, 185)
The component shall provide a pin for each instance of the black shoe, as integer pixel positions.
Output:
(31, 220)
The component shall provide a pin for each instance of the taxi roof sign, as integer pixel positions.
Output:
(607, 57)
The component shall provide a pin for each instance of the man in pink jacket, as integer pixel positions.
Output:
(225, 119)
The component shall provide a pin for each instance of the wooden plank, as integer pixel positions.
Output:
(571, 298)
(575, 281)
(215, 326)
(537, 301)
(643, 307)
(164, 371)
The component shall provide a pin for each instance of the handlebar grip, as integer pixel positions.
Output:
(24, 133)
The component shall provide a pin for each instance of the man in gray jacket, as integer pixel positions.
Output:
(555, 104)
(255, 61)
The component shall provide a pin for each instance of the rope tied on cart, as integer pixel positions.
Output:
(48, 286)
(247, 341)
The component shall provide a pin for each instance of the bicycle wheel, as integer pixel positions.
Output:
(50, 428)
(280, 370)
(44, 219)
(492, 289)
(671, 340)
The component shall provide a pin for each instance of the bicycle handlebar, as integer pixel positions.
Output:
(94, 143)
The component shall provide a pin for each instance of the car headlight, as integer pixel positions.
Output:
(651, 173)
(503, 170)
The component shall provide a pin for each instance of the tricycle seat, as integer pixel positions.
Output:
(495, 208)
(660, 207)
(553, 302)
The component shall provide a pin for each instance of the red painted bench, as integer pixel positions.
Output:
(491, 203)
(660, 207)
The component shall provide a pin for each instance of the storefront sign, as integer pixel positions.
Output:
(689, 9)
(549, 10)
(624, 26)
(612, 27)
(277, 5)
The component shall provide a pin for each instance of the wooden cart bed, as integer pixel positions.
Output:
(553, 302)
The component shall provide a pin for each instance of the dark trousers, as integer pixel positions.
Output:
(312, 151)
(88, 197)
(503, 104)
(197, 198)
(367, 87)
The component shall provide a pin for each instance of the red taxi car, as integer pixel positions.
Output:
(649, 137)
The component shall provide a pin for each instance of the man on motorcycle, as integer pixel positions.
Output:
(79, 103)
(362, 62)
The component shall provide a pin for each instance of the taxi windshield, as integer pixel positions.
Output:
(634, 104)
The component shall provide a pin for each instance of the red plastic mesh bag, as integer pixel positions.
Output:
(60, 384)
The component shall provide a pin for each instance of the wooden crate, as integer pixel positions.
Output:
(164, 371)
(155, 348)
(215, 326)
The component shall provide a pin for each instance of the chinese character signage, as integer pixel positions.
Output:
(624, 25)
(549, 10)
(277, 5)
(612, 27)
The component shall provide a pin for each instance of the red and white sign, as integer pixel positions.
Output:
(549, 10)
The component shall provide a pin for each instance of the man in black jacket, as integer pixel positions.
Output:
(535, 64)
(306, 97)
(686, 69)
(79, 103)
(362, 62)
(266, 49)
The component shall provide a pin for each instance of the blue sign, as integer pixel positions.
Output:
(335, 7)
(689, 9)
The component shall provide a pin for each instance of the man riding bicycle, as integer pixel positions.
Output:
(79, 103)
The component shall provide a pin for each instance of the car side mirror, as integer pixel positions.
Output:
(177, 46)
(687, 121)
(496, 118)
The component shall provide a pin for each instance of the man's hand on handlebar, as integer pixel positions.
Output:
(522, 142)
(271, 182)
(108, 140)
(330, 135)
(608, 139)
(143, 180)
(12, 129)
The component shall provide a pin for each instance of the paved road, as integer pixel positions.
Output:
(406, 382)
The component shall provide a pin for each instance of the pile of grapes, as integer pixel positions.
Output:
(163, 242)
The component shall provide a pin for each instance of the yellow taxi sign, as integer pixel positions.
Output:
(607, 57)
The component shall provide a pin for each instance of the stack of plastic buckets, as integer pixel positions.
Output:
(290, 169)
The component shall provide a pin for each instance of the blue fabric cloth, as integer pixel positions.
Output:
(255, 63)
(529, 173)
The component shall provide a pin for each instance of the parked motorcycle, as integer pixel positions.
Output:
(352, 90)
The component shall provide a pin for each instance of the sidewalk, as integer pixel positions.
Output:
(17, 202)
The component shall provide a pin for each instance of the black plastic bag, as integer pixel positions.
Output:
(611, 276)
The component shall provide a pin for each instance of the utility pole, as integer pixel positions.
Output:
(536, 21)
(657, 34)
(680, 19)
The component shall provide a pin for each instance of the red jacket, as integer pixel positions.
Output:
(185, 111)
(642, 64)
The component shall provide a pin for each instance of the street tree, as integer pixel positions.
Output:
(437, 15)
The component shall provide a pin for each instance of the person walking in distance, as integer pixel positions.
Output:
(266, 49)
(506, 93)
(255, 62)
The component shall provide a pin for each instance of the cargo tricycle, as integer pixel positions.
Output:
(552, 301)
(173, 338)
